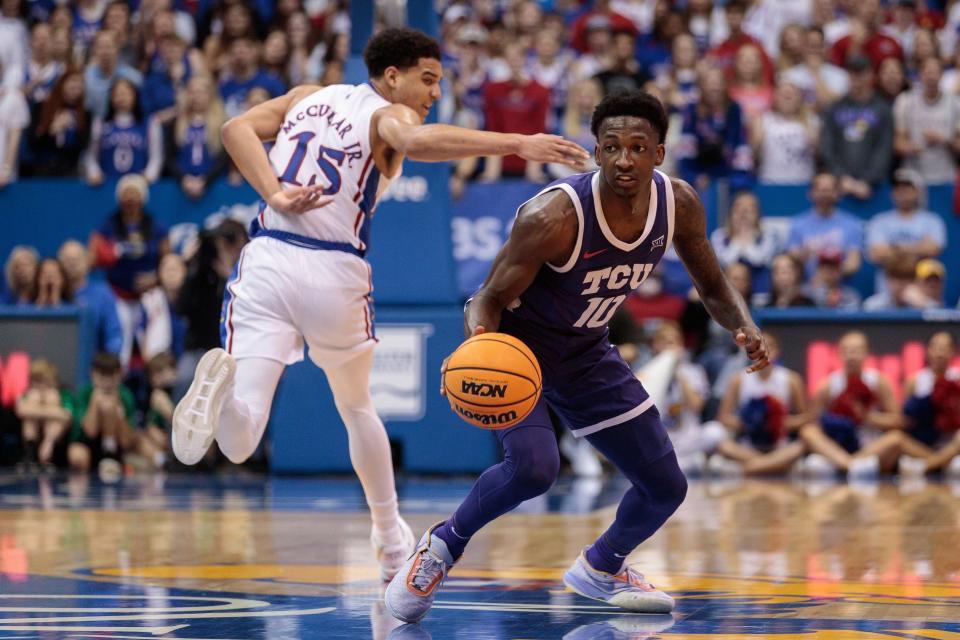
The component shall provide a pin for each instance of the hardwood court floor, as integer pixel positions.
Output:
(209, 557)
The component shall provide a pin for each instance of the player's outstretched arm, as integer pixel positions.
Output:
(400, 127)
(545, 231)
(243, 138)
(723, 302)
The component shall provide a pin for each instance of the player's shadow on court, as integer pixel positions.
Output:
(636, 627)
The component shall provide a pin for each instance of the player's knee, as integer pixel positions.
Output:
(675, 489)
(536, 472)
(677, 492)
(237, 450)
(671, 484)
(355, 410)
(236, 454)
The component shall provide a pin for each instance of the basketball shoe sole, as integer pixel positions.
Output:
(197, 414)
(627, 589)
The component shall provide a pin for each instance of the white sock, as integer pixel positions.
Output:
(109, 444)
(386, 520)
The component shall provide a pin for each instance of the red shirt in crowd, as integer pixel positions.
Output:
(510, 107)
(877, 47)
(578, 31)
(662, 305)
(724, 53)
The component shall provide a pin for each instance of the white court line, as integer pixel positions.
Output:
(5, 625)
(154, 631)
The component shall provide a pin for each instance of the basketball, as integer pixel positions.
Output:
(492, 381)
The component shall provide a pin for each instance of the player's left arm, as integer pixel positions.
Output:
(722, 301)
(243, 138)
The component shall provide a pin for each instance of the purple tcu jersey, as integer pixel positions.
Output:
(581, 296)
(563, 316)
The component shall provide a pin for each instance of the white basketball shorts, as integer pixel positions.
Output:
(281, 296)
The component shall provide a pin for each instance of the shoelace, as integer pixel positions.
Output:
(426, 572)
(636, 578)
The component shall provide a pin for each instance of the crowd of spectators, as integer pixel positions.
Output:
(153, 312)
(840, 97)
(98, 89)
(837, 96)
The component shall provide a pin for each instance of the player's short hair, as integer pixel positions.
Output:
(638, 104)
(400, 48)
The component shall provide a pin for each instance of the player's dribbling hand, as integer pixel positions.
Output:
(299, 200)
(544, 147)
(753, 343)
(443, 367)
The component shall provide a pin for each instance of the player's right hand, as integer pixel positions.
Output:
(443, 367)
(544, 147)
(298, 200)
(753, 343)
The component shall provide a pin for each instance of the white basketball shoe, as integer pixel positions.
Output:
(197, 414)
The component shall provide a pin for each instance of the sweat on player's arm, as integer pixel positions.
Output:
(722, 301)
(401, 128)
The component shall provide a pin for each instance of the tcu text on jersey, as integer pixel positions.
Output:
(622, 277)
(580, 296)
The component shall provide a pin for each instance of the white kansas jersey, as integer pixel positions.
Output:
(325, 140)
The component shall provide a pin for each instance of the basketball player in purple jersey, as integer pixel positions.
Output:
(576, 251)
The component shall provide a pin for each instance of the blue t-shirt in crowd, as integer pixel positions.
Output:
(139, 253)
(158, 91)
(840, 231)
(98, 297)
(892, 228)
(193, 156)
(84, 31)
(234, 92)
(123, 148)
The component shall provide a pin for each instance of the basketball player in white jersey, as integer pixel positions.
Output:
(303, 277)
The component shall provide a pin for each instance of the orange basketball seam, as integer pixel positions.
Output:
(509, 373)
(508, 367)
(485, 338)
(489, 406)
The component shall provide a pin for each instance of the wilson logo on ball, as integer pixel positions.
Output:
(487, 418)
(483, 389)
